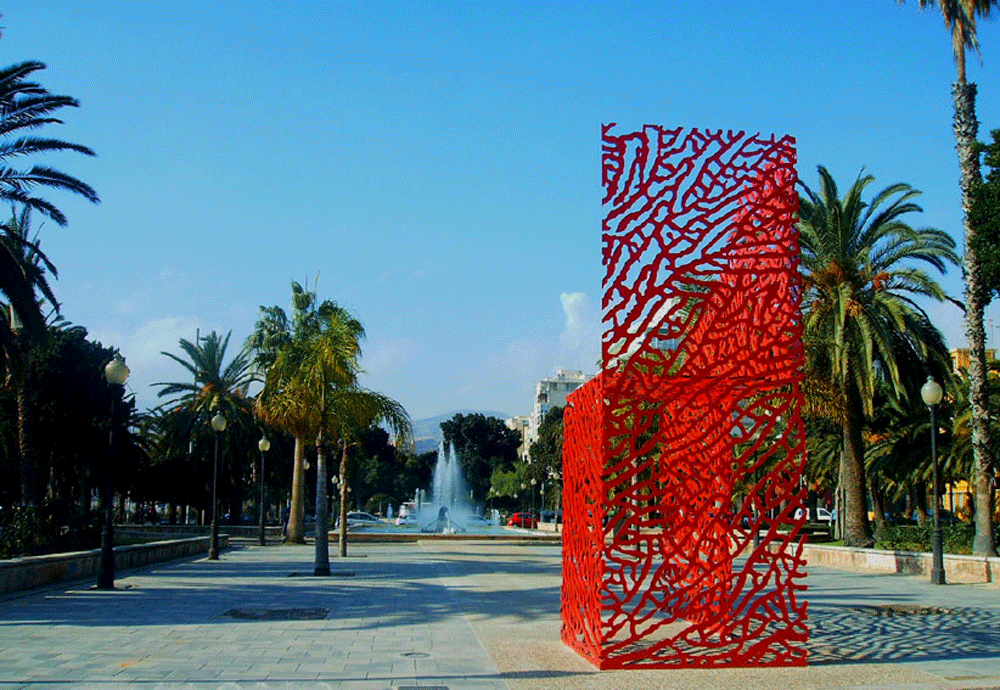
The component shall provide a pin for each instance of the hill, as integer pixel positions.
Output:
(427, 431)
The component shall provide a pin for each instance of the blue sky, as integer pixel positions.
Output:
(437, 165)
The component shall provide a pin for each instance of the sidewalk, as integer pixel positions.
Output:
(459, 615)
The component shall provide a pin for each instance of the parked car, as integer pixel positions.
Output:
(526, 520)
(551, 516)
(822, 515)
(947, 518)
(478, 521)
(359, 519)
(408, 519)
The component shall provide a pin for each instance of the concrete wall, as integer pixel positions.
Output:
(958, 569)
(178, 531)
(37, 571)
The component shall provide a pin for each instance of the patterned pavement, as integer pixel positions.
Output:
(456, 615)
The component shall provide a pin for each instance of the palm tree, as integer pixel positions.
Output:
(858, 307)
(312, 388)
(24, 107)
(216, 387)
(300, 384)
(273, 333)
(352, 411)
(960, 19)
(22, 272)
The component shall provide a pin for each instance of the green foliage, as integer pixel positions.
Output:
(984, 216)
(956, 539)
(859, 273)
(377, 503)
(28, 106)
(482, 444)
(25, 530)
(383, 473)
(547, 450)
(23, 266)
(185, 442)
(861, 270)
(70, 396)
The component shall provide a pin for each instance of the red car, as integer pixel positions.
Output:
(526, 520)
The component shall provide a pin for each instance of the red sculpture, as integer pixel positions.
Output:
(690, 440)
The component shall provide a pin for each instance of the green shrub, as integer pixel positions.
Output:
(26, 530)
(955, 538)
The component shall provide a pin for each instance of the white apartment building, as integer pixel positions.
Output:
(520, 425)
(551, 392)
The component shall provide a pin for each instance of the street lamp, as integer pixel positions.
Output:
(533, 483)
(263, 445)
(219, 424)
(931, 393)
(523, 488)
(116, 374)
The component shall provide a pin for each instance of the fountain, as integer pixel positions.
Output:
(448, 510)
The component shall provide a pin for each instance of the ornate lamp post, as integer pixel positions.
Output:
(263, 445)
(534, 482)
(116, 374)
(931, 393)
(219, 424)
(524, 487)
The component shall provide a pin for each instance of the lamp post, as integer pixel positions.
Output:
(116, 374)
(534, 482)
(524, 487)
(263, 445)
(931, 393)
(219, 424)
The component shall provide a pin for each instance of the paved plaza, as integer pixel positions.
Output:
(462, 615)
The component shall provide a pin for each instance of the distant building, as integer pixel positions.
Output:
(520, 425)
(961, 357)
(551, 392)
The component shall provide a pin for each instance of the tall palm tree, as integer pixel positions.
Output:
(312, 388)
(299, 388)
(216, 387)
(859, 283)
(273, 333)
(24, 107)
(23, 266)
(960, 19)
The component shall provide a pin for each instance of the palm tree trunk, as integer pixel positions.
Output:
(966, 130)
(296, 511)
(25, 439)
(26, 447)
(920, 503)
(321, 564)
(342, 534)
(878, 505)
(857, 531)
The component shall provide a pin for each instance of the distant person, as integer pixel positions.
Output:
(285, 512)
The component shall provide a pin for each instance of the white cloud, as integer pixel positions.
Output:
(388, 356)
(142, 349)
(580, 340)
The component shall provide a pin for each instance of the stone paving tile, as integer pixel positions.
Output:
(486, 616)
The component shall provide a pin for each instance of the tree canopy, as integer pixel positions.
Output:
(481, 444)
(985, 219)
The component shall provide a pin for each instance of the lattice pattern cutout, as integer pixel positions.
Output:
(677, 453)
